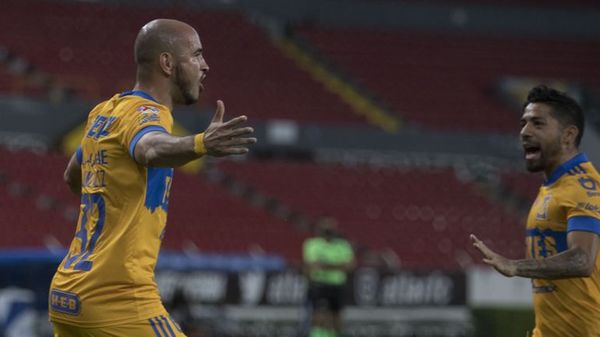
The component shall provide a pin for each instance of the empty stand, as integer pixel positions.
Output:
(217, 221)
(11, 83)
(424, 215)
(447, 81)
(42, 171)
(23, 223)
(202, 213)
(524, 185)
(89, 47)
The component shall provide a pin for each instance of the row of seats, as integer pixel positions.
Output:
(13, 84)
(35, 204)
(89, 47)
(524, 185)
(446, 81)
(424, 215)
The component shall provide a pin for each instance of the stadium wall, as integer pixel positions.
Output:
(259, 296)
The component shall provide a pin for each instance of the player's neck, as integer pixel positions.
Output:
(162, 96)
(561, 159)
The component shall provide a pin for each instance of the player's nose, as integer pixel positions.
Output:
(204, 67)
(525, 131)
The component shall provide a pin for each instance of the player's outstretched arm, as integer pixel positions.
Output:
(219, 139)
(577, 261)
(72, 175)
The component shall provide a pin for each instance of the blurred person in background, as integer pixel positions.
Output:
(123, 170)
(328, 258)
(564, 222)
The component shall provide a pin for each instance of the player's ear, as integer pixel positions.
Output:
(167, 63)
(569, 135)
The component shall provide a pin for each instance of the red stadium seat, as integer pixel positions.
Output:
(424, 215)
(89, 47)
(447, 82)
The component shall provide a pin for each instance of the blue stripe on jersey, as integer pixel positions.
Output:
(160, 325)
(560, 239)
(138, 93)
(157, 188)
(139, 135)
(565, 168)
(171, 332)
(151, 320)
(584, 224)
(79, 154)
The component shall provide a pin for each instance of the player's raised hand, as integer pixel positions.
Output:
(227, 138)
(503, 265)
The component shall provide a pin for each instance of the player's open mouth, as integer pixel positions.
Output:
(200, 85)
(532, 151)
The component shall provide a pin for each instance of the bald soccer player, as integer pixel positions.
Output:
(124, 169)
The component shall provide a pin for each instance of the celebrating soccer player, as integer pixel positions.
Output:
(563, 223)
(123, 169)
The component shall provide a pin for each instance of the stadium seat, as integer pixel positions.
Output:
(424, 215)
(447, 82)
(248, 71)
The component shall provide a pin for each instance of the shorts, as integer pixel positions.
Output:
(326, 296)
(160, 326)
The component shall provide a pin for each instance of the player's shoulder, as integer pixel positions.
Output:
(134, 106)
(582, 180)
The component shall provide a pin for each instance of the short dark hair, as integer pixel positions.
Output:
(565, 109)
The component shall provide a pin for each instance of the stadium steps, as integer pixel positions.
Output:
(445, 81)
(251, 75)
(361, 104)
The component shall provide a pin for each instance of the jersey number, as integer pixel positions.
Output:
(94, 213)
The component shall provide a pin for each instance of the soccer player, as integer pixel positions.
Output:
(123, 169)
(327, 260)
(564, 222)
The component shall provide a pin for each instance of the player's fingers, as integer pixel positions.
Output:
(218, 116)
(230, 124)
(483, 249)
(236, 150)
(239, 141)
(241, 132)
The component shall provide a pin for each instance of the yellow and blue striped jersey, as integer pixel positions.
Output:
(107, 276)
(569, 200)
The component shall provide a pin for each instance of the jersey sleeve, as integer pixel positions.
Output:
(143, 119)
(79, 155)
(583, 205)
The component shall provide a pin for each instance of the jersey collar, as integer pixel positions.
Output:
(138, 93)
(565, 167)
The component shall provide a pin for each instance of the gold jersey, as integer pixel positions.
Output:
(569, 200)
(107, 277)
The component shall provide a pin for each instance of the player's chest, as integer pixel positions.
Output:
(547, 212)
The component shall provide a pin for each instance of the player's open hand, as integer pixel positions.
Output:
(503, 265)
(227, 138)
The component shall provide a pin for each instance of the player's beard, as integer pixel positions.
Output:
(547, 154)
(186, 91)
